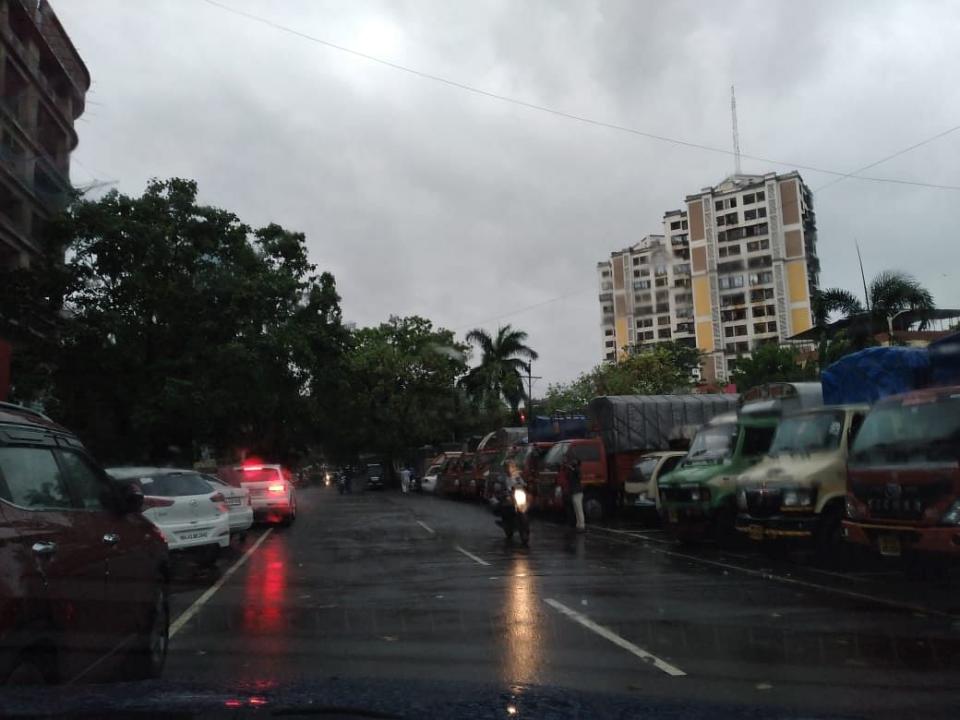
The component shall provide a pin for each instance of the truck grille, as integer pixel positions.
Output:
(675, 494)
(763, 502)
(893, 501)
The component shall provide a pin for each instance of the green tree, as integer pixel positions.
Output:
(401, 390)
(187, 327)
(890, 292)
(771, 363)
(504, 360)
(655, 370)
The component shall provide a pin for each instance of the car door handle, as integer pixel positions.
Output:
(44, 548)
(111, 538)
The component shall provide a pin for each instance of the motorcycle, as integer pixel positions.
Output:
(513, 505)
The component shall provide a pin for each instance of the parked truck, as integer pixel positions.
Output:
(698, 499)
(623, 429)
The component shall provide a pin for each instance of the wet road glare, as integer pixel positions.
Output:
(388, 586)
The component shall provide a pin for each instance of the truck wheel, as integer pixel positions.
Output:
(828, 539)
(593, 509)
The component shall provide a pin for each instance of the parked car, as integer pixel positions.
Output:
(238, 505)
(429, 481)
(374, 477)
(272, 494)
(641, 491)
(796, 494)
(903, 477)
(83, 570)
(190, 513)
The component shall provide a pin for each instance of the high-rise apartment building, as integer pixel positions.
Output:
(734, 270)
(43, 83)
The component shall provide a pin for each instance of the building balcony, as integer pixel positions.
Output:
(606, 297)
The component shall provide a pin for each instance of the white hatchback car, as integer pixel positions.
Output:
(182, 504)
(429, 482)
(238, 504)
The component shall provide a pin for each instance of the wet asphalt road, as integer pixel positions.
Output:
(388, 586)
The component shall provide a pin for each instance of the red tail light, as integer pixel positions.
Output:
(150, 501)
(277, 488)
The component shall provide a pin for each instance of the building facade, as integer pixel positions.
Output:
(734, 270)
(44, 83)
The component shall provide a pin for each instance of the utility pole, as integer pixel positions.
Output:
(866, 295)
(736, 131)
(530, 378)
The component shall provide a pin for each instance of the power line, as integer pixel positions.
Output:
(560, 113)
(524, 309)
(890, 157)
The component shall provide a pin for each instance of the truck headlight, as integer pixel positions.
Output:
(797, 497)
(742, 499)
(854, 510)
(952, 516)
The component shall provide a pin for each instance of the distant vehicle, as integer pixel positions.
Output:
(528, 458)
(699, 498)
(903, 479)
(238, 504)
(796, 494)
(642, 489)
(188, 510)
(374, 477)
(429, 482)
(627, 428)
(85, 574)
(271, 492)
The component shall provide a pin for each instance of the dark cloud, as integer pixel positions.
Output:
(425, 199)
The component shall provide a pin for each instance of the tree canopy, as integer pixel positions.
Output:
(504, 360)
(771, 363)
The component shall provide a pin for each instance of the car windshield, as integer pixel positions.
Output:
(174, 485)
(259, 475)
(910, 432)
(809, 432)
(712, 444)
(643, 470)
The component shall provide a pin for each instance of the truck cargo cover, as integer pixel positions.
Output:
(653, 422)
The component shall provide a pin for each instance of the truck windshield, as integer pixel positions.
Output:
(909, 433)
(809, 432)
(643, 470)
(555, 456)
(712, 444)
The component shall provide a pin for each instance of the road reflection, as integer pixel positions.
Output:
(265, 590)
(523, 649)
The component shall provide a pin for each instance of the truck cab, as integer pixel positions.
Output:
(699, 497)
(903, 476)
(797, 492)
(642, 489)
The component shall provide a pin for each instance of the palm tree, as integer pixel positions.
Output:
(889, 293)
(504, 360)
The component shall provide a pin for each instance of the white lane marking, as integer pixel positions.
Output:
(632, 534)
(610, 635)
(426, 527)
(852, 577)
(766, 575)
(472, 556)
(187, 614)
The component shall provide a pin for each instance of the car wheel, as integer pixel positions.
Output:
(290, 516)
(149, 656)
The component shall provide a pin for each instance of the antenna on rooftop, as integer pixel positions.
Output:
(736, 132)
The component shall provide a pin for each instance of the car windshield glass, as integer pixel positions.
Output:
(374, 470)
(809, 432)
(712, 443)
(249, 475)
(643, 470)
(175, 485)
(910, 432)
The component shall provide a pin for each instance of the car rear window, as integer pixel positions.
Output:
(30, 478)
(260, 475)
(175, 485)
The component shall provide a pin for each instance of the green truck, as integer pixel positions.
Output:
(698, 499)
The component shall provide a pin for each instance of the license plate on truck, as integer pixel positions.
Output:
(889, 545)
(195, 535)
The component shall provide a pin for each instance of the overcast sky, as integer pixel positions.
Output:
(425, 199)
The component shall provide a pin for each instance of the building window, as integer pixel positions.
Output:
(675, 225)
(683, 225)
(682, 268)
(759, 328)
(728, 331)
(749, 214)
(643, 259)
(662, 282)
(641, 284)
(760, 196)
(730, 300)
(608, 332)
(636, 273)
(648, 335)
(749, 199)
(664, 333)
(636, 261)
(605, 273)
(762, 278)
(721, 220)
(759, 311)
(771, 327)
(718, 205)
(663, 320)
(761, 212)
(610, 343)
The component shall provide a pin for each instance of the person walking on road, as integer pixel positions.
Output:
(405, 480)
(576, 492)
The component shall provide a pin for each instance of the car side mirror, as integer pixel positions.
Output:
(130, 498)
